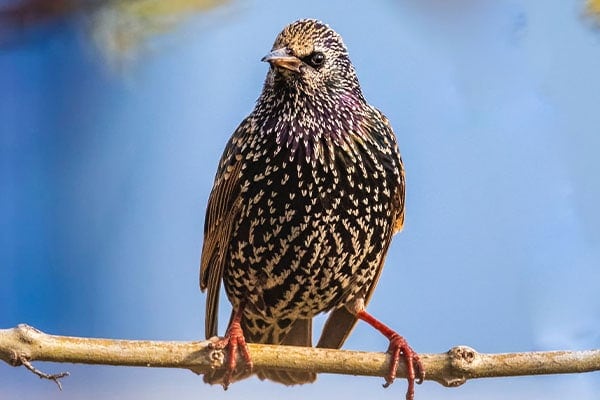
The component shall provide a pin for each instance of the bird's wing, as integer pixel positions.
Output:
(399, 200)
(399, 195)
(222, 211)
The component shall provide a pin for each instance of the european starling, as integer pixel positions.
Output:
(307, 196)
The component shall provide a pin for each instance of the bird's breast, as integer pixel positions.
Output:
(313, 225)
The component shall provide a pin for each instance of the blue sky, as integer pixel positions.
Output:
(105, 174)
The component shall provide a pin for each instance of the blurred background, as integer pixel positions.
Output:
(114, 114)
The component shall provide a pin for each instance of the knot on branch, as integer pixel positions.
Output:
(459, 363)
(27, 334)
(216, 354)
(21, 338)
(23, 342)
(462, 358)
(13, 359)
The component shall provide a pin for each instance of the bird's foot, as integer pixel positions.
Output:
(414, 369)
(398, 348)
(233, 340)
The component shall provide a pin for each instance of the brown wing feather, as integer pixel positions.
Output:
(399, 200)
(400, 194)
(223, 207)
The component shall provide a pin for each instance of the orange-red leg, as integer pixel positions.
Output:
(234, 340)
(398, 347)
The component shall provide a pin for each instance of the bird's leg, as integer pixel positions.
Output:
(234, 340)
(398, 347)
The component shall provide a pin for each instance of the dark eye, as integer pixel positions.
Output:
(316, 59)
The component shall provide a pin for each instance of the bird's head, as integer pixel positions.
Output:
(310, 56)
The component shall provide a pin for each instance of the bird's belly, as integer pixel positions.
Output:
(295, 254)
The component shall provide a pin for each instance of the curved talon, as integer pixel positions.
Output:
(414, 369)
(234, 340)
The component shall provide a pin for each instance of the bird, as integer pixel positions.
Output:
(307, 196)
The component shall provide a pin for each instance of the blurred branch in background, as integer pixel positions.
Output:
(20, 345)
(122, 27)
(118, 27)
(593, 9)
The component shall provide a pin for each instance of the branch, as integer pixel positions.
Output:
(20, 345)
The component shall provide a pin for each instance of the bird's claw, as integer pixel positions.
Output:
(234, 340)
(414, 369)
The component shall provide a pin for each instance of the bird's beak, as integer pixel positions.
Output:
(281, 58)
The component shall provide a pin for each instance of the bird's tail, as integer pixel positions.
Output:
(298, 334)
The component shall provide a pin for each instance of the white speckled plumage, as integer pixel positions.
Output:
(307, 196)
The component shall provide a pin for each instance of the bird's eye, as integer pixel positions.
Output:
(316, 59)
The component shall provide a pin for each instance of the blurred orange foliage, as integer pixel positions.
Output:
(593, 7)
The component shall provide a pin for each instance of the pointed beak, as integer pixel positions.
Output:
(281, 59)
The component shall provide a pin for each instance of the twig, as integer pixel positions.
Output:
(53, 377)
(452, 368)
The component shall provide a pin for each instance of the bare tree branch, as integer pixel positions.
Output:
(20, 345)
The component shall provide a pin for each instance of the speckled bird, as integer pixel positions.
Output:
(307, 196)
